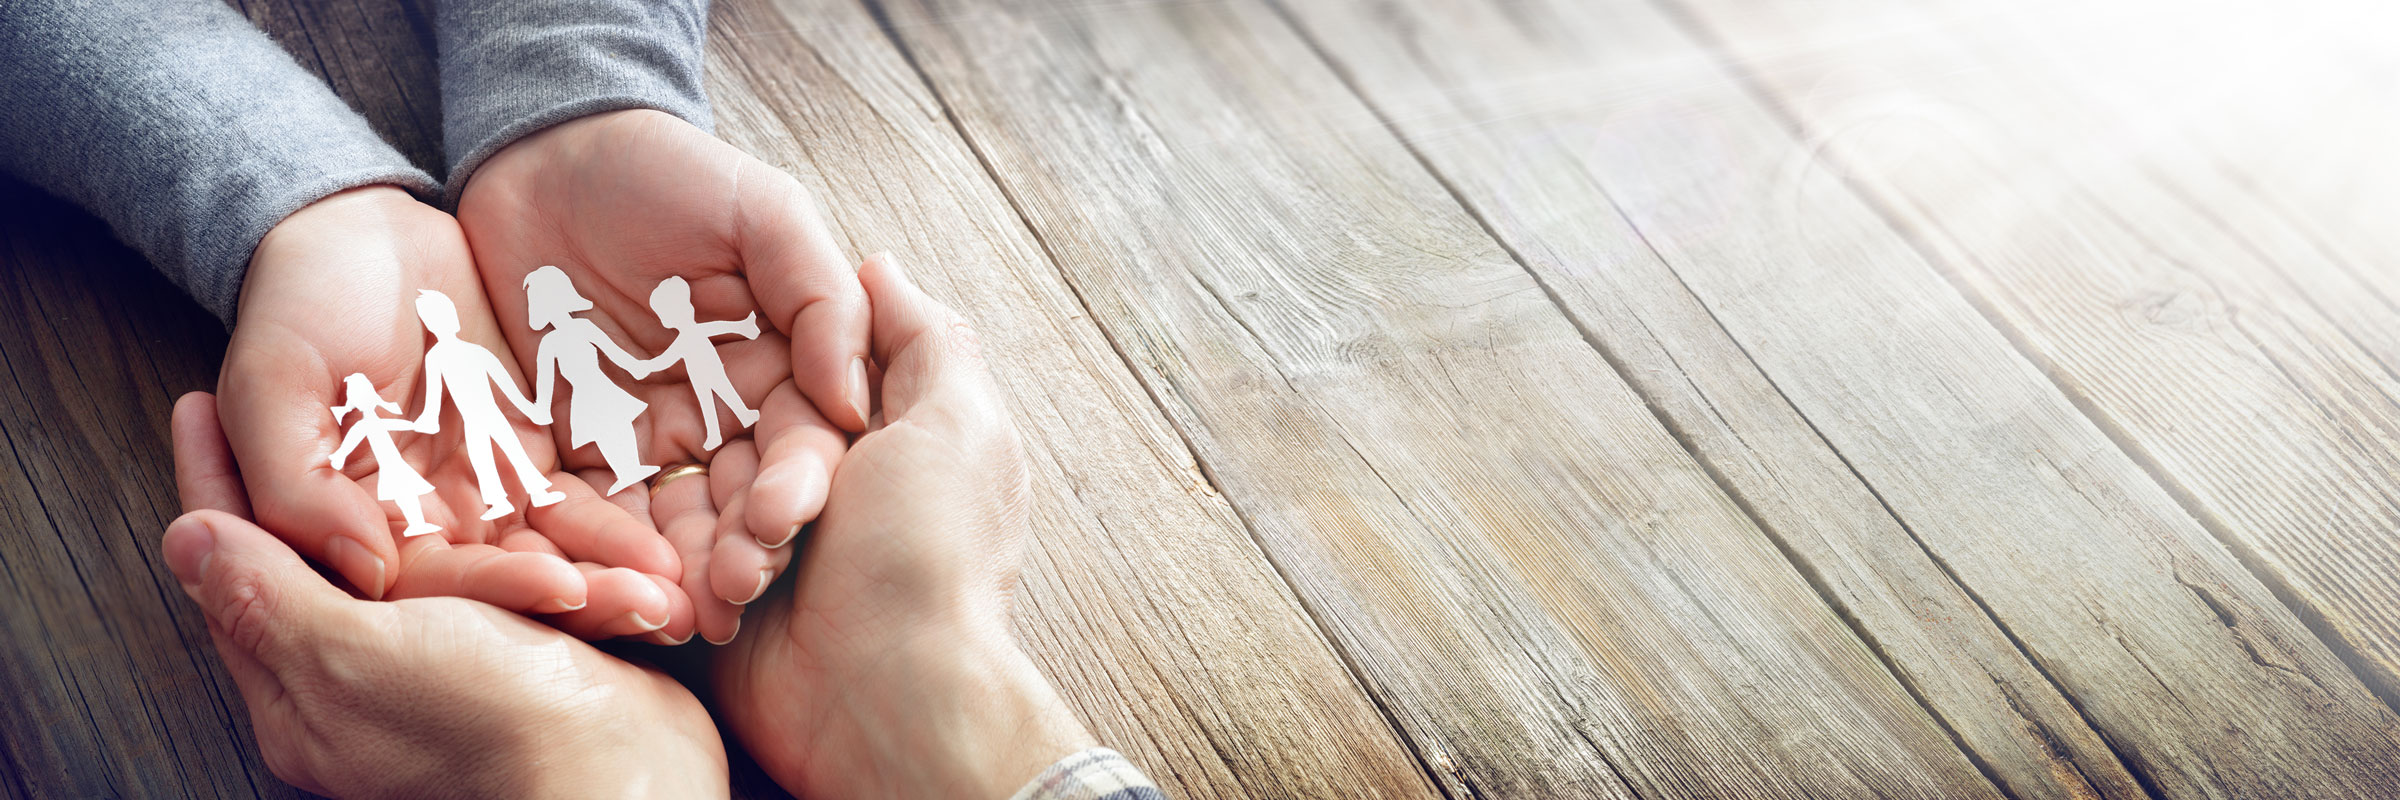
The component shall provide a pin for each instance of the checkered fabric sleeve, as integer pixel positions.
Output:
(1095, 774)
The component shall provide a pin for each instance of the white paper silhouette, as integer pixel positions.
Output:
(598, 411)
(672, 301)
(469, 372)
(394, 479)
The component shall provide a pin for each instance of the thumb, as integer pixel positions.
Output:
(928, 352)
(252, 587)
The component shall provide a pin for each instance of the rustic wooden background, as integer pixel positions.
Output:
(1508, 398)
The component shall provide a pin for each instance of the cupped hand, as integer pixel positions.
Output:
(888, 668)
(330, 292)
(622, 201)
(422, 697)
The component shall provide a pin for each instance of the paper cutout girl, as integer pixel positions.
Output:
(470, 372)
(395, 481)
(672, 301)
(598, 411)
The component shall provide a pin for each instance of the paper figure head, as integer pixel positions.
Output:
(550, 296)
(358, 393)
(672, 301)
(439, 315)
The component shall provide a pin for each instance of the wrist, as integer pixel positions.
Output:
(960, 716)
(348, 220)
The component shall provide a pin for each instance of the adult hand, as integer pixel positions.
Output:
(419, 697)
(330, 293)
(889, 669)
(622, 201)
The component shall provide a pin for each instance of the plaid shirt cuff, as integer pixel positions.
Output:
(1095, 774)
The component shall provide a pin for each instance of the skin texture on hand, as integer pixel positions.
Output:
(887, 669)
(621, 201)
(330, 292)
(425, 697)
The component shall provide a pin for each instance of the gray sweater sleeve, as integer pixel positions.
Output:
(185, 128)
(513, 67)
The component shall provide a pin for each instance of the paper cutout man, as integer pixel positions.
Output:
(395, 481)
(470, 372)
(672, 301)
(598, 411)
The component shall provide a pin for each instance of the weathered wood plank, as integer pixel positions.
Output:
(1503, 104)
(1145, 599)
(2168, 300)
(111, 688)
(1544, 589)
(2188, 273)
(2199, 679)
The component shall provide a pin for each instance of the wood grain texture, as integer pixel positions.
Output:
(1505, 103)
(2204, 320)
(1145, 599)
(1542, 587)
(112, 690)
(2189, 667)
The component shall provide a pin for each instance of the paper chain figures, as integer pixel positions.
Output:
(599, 411)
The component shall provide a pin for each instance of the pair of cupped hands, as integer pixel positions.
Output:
(457, 660)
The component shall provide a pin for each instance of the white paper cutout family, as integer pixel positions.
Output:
(599, 412)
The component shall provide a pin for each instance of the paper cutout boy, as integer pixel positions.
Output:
(598, 411)
(672, 301)
(470, 372)
(395, 481)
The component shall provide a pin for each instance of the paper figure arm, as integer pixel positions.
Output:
(508, 386)
(358, 433)
(545, 378)
(431, 420)
(619, 356)
(747, 328)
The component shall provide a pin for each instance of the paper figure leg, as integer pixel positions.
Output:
(413, 510)
(487, 479)
(620, 452)
(741, 413)
(536, 484)
(708, 420)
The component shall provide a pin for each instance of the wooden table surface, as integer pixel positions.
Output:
(1507, 398)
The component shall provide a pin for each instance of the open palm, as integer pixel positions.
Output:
(329, 294)
(622, 201)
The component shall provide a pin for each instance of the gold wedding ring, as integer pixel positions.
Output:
(677, 471)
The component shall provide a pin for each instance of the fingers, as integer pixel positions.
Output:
(797, 451)
(623, 603)
(926, 349)
(280, 434)
(268, 602)
(524, 582)
(808, 290)
(205, 475)
(689, 519)
(588, 527)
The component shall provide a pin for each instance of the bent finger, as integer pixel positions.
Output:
(205, 475)
(797, 452)
(249, 583)
(808, 290)
(623, 603)
(588, 527)
(528, 583)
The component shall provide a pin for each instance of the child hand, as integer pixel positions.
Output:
(618, 191)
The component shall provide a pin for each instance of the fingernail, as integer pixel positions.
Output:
(559, 605)
(787, 538)
(353, 560)
(661, 637)
(641, 625)
(737, 631)
(189, 544)
(858, 386)
(765, 576)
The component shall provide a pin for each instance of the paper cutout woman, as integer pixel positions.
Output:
(470, 372)
(598, 411)
(395, 481)
(672, 301)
